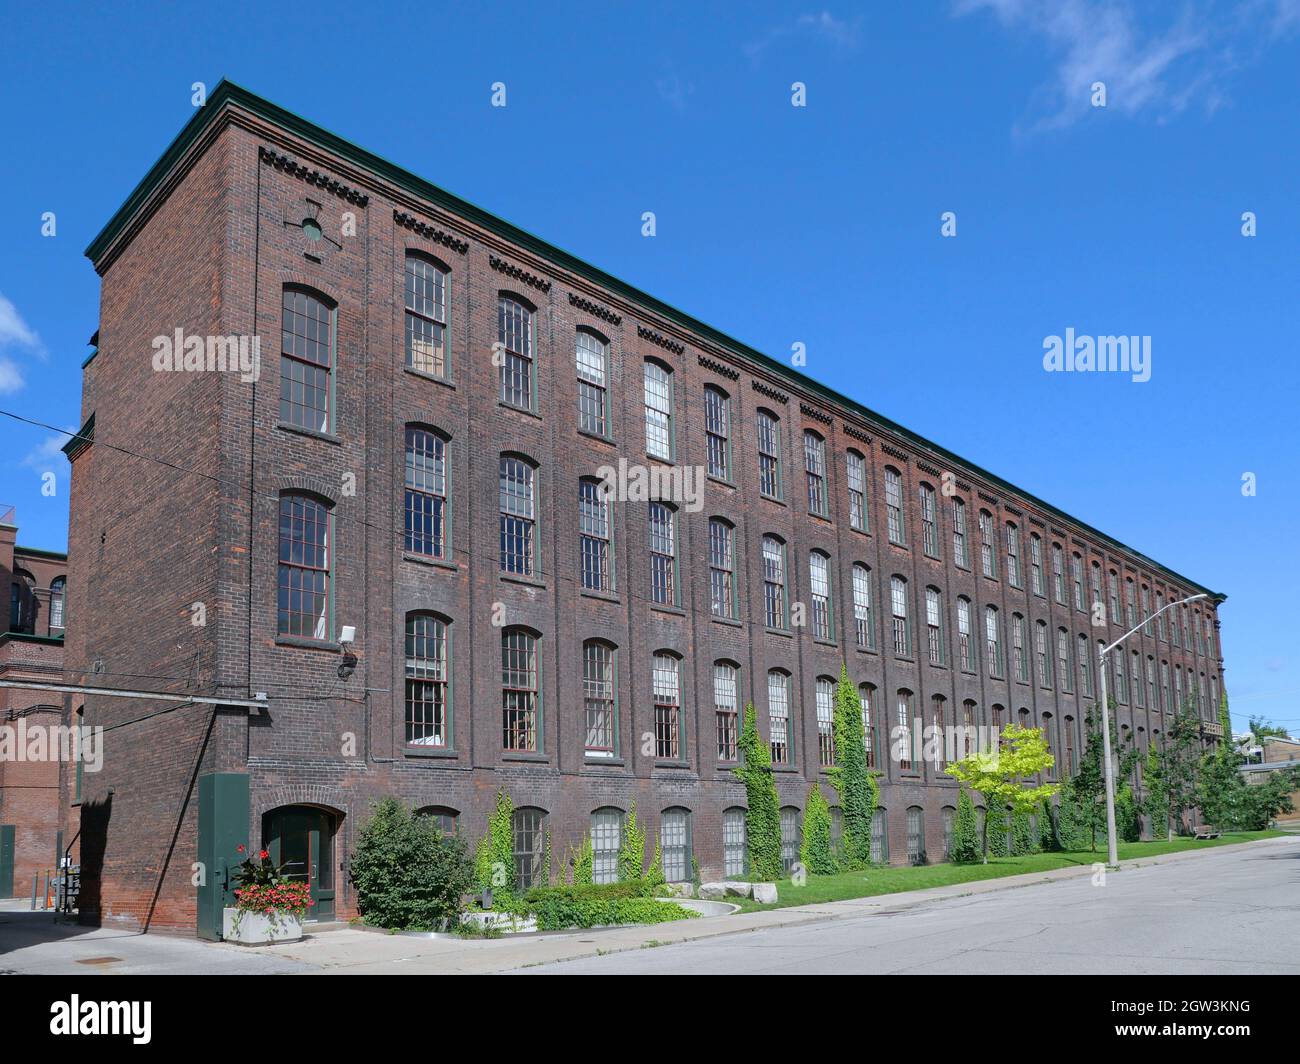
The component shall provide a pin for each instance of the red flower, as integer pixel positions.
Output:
(263, 855)
(239, 848)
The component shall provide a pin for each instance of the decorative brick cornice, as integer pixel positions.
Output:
(666, 342)
(769, 391)
(1011, 510)
(595, 309)
(1037, 521)
(519, 273)
(815, 414)
(963, 486)
(894, 452)
(856, 433)
(1058, 532)
(296, 169)
(992, 500)
(424, 229)
(926, 467)
(720, 368)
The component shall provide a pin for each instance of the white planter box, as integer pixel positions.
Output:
(254, 929)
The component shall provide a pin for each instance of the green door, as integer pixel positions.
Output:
(302, 838)
(6, 860)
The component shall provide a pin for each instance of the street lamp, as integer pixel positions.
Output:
(1112, 852)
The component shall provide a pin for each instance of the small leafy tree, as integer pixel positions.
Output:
(407, 874)
(815, 851)
(1128, 824)
(966, 846)
(1260, 727)
(1173, 786)
(1261, 802)
(1049, 840)
(494, 861)
(1004, 776)
(853, 781)
(763, 815)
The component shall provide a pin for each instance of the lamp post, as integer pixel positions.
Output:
(1112, 850)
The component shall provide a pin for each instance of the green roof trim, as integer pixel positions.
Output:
(27, 637)
(84, 438)
(55, 555)
(227, 92)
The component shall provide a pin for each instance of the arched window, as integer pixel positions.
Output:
(518, 516)
(515, 335)
(916, 835)
(988, 546)
(1019, 661)
(1058, 573)
(428, 702)
(306, 358)
(993, 640)
(658, 411)
(960, 555)
(663, 554)
(819, 576)
(864, 623)
(902, 736)
(1076, 575)
(426, 316)
(825, 700)
(774, 582)
(722, 565)
(735, 843)
(1013, 554)
(57, 586)
(866, 699)
(446, 819)
(879, 837)
(965, 641)
(598, 698)
(675, 844)
(898, 612)
(529, 831)
(814, 463)
(934, 625)
(606, 840)
(726, 708)
(894, 505)
(595, 533)
(937, 734)
(789, 837)
(426, 493)
(1042, 662)
(520, 691)
(717, 432)
(929, 521)
(769, 454)
(1069, 746)
(668, 706)
(1135, 678)
(857, 481)
(1063, 666)
(949, 815)
(778, 715)
(1036, 563)
(592, 383)
(1085, 666)
(303, 596)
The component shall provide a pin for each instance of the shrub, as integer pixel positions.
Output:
(407, 874)
(1047, 838)
(966, 846)
(997, 828)
(598, 905)
(815, 852)
(1023, 838)
(494, 861)
(1128, 824)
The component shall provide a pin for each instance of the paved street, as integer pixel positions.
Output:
(1234, 910)
(1230, 910)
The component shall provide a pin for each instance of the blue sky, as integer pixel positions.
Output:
(781, 224)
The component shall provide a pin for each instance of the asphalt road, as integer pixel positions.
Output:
(1229, 911)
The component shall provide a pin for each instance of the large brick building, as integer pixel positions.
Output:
(31, 651)
(418, 460)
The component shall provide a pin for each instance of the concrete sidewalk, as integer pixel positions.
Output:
(355, 952)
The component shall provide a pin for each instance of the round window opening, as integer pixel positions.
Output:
(312, 228)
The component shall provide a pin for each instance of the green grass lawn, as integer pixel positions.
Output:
(891, 880)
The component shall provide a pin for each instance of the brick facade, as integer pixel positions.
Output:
(207, 245)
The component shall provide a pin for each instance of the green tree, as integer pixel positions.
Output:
(1172, 775)
(494, 861)
(1049, 840)
(1085, 796)
(1003, 776)
(1024, 839)
(407, 874)
(763, 813)
(1261, 802)
(1260, 727)
(1128, 825)
(815, 851)
(966, 846)
(855, 784)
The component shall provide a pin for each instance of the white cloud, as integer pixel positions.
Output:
(672, 89)
(1159, 70)
(11, 378)
(13, 330)
(841, 33)
(44, 454)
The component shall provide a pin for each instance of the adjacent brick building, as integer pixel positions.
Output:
(31, 650)
(418, 461)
